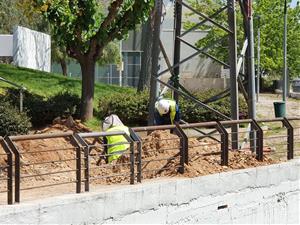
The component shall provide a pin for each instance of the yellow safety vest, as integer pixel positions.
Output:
(172, 109)
(114, 140)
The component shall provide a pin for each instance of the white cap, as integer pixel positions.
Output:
(111, 121)
(162, 106)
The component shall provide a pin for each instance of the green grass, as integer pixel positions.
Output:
(94, 124)
(48, 84)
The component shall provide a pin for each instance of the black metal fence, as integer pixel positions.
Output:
(41, 161)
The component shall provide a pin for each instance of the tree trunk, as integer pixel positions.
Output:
(87, 91)
(146, 56)
(63, 65)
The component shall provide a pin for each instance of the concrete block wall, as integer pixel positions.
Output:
(269, 194)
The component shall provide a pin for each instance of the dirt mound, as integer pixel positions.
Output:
(63, 125)
(160, 157)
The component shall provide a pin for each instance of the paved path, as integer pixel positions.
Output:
(265, 108)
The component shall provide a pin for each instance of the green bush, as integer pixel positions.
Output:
(132, 108)
(42, 111)
(12, 122)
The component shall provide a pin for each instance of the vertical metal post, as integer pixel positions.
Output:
(224, 144)
(86, 150)
(21, 100)
(78, 163)
(9, 171)
(87, 168)
(177, 42)
(121, 65)
(182, 150)
(260, 140)
(155, 55)
(14, 149)
(184, 144)
(258, 60)
(251, 73)
(284, 85)
(233, 71)
(131, 162)
(290, 138)
(138, 141)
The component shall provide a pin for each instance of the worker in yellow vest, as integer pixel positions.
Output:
(116, 144)
(166, 112)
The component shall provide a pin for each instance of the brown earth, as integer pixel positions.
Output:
(160, 158)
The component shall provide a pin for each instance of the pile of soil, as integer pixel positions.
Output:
(63, 125)
(160, 158)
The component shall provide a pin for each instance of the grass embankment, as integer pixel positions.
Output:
(48, 84)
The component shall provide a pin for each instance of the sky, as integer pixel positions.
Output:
(293, 4)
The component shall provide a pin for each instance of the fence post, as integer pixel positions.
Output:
(131, 162)
(129, 139)
(260, 138)
(86, 162)
(9, 172)
(224, 143)
(290, 138)
(138, 140)
(183, 147)
(17, 168)
(185, 143)
(78, 163)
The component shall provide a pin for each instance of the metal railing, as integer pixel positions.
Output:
(81, 158)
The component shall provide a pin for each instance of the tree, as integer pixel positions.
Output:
(146, 63)
(271, 20)
(271, 14)
(84, 28)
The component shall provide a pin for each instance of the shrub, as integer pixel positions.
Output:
(132, 108)
(12, 122)
(42, 111)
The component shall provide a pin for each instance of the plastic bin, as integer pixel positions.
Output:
(279, 108)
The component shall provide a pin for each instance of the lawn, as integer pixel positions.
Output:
(47, 84)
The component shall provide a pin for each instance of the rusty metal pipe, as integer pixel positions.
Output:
(40, 136)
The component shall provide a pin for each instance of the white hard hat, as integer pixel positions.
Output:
(163, 106)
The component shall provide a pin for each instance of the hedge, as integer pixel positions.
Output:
(42, 110)
(132, 108)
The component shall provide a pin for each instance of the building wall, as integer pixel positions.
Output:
(268, 194)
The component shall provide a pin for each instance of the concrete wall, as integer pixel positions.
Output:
(196, 84)
(6, 45)
(268, 194)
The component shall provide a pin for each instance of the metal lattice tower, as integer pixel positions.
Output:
(238, 79)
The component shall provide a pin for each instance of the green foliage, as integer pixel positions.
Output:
(86, 27)
(10, 16)
(42, 111)
(272, 24)
(191, 112)
(132, 108)
(215, 34)
(271, 28)
(111, 54)
(76, 23)
(12, 122)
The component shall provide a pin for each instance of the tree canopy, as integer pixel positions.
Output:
(271, 29)
(84, 28)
